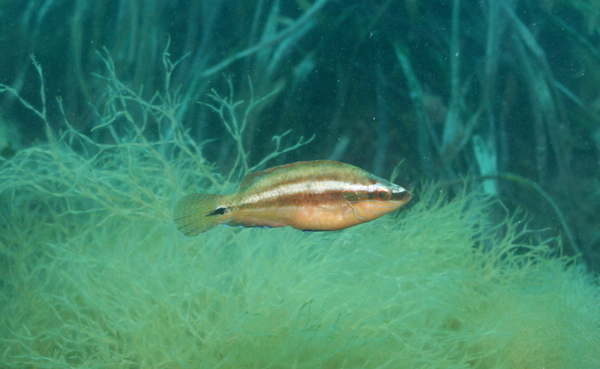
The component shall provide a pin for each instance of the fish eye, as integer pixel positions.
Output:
(383, 195)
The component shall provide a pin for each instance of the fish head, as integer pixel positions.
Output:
(377, 199)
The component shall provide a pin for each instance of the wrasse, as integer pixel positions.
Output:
(318, 195)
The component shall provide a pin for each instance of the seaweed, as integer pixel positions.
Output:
(94, 274)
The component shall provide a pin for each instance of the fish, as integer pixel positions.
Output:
(319, 195)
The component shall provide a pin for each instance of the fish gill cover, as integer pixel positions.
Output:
(94, 274)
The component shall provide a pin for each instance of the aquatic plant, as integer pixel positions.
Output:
(462, 87)
(94, 274)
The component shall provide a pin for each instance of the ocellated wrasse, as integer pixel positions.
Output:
(317, 195)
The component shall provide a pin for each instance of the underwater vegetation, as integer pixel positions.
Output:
(453, 88)
(93, 272)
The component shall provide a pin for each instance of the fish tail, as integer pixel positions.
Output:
(197, 213)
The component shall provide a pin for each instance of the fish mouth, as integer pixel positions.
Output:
(401, 196)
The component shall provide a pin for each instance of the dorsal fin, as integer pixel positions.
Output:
(252, 178)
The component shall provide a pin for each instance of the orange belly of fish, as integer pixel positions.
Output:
(326, 217)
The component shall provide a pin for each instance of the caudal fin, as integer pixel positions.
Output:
(197, 213)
